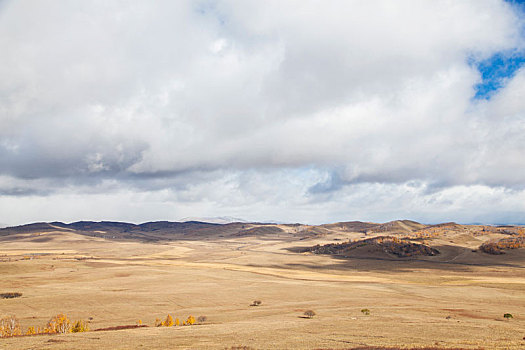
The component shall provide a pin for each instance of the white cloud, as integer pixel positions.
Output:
(307, 101)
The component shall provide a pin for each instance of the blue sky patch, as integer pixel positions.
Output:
(495, 71)
(500, 67)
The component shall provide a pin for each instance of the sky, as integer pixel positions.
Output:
(288, 111)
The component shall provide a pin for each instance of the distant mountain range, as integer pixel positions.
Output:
(199, 228)
(228, 227)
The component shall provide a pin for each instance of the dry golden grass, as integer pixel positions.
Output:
(454, 300)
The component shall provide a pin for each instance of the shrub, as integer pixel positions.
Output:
(177, 322)
(9, 327)
(58, 324)
(508, 316)
(309, 313)
(202, 319)
(190, 320)
(256, 303)
(31, 331)
(80, 326)
(365, 311)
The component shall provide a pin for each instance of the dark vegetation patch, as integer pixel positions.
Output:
(503, 244)
(57, 341)
(259, 231)
(10, 295)
(391, 245)
(118, 328)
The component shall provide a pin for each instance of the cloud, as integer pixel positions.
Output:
(277, 105)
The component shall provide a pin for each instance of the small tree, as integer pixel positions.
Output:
(365, 311)
(202, 319)
(309, 313)
(256, 303)
(168, 322)
(508, 316)
(190, 320)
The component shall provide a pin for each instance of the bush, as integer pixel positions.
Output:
(80, 326)
(256, 303)
(365, 311)
(202, 319)
(9, 327)
(309, 313)
(508, 316)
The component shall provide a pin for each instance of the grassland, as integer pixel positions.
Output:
(455, 299)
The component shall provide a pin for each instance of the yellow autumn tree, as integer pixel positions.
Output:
(31, 331)
(58, 324)
(168, 322)
(190, 320)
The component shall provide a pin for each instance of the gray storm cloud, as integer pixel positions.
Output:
(229, 107)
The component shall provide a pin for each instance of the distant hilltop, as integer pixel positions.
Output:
(214, 220)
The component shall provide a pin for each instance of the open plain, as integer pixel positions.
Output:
(114, 276)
